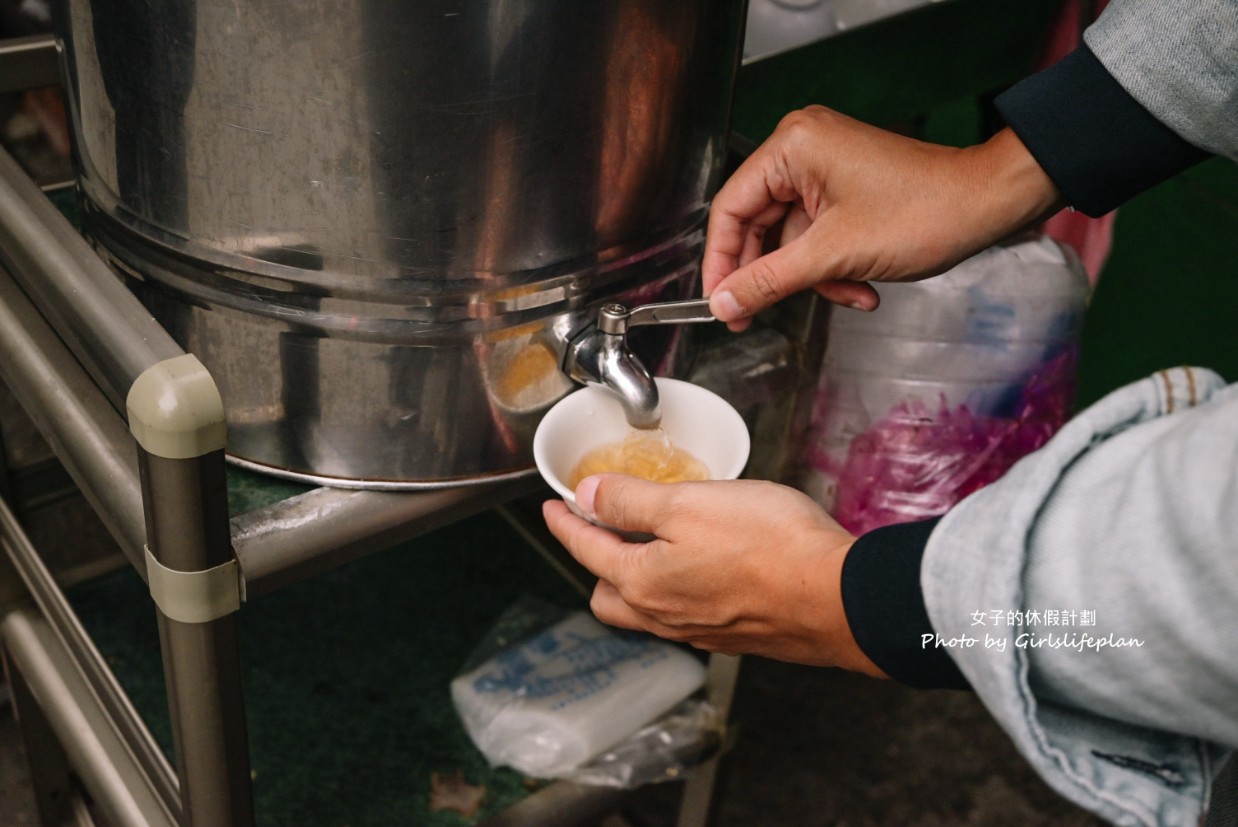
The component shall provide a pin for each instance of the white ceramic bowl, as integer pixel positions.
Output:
(695, 420)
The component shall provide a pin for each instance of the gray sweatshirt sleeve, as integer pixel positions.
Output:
(1179, 59)
(1099, 579)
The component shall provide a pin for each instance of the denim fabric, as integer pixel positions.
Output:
(1128, 518)
(1177, 58)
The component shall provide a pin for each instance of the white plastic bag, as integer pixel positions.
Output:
(546, 705)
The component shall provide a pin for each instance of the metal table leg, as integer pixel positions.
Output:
(696, 809)
(188, 532)
(176, 415)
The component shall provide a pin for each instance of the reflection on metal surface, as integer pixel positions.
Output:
(777, 26)
(353, 214)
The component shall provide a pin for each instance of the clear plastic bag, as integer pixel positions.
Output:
(946, 385)
(556, 694)
(665, 750)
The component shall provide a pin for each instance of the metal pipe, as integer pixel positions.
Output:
(87, 663)
(105, 326)
(298, 537)
(116, 783)
(701, 790)
(28, 63)
(74, 416)
(51, 778)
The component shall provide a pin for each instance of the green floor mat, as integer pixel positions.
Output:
(346, 675)
(249, 490)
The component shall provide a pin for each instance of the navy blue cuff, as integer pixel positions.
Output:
(1097, 143)
(885, 607)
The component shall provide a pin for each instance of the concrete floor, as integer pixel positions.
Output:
(821, 747)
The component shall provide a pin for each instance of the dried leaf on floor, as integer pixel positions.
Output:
(452, 792)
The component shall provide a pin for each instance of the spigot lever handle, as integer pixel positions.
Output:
(615, 318)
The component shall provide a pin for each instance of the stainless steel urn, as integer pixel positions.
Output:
(376, 222)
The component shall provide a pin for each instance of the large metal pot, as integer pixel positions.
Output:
(376, 222)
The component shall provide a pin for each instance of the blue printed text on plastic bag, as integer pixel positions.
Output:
(567, 666)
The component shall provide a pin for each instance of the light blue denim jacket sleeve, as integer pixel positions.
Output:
(1125, 528)
(1179, 59)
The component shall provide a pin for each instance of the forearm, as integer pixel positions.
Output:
(1008, 190)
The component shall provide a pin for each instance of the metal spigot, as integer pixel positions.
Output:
(599, 354)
